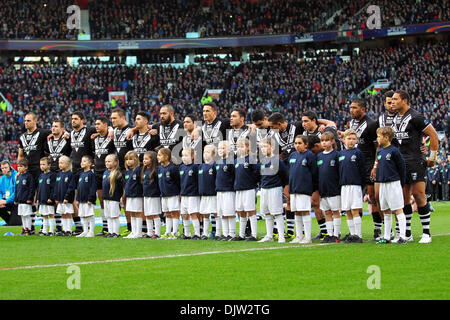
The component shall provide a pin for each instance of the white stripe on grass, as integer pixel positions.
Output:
(192, 254)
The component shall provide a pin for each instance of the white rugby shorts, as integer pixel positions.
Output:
(351, 197)
(245, 200)
(152, 206)
(300, 202)
(330, 203)
(391, 196)
(271, 201)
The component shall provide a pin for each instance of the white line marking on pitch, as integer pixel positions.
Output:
(172, 256)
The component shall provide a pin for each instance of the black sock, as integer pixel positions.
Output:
(105, 225)
(407, 210)
(212, 220)
(248, 230)
(290, 222)
(33, 218)
(377, 221)
(58, 221)
(322, 225)
(144, 226)
(424, 215)
(78, 225)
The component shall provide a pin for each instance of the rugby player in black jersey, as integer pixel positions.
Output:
(410, 128)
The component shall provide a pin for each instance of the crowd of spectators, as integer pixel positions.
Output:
(153, 19)
(286, 83)
(393, 13)
(116, 19)
(30, 20)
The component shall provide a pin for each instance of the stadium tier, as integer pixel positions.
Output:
(150, 19)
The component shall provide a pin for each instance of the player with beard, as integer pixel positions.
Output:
(366, 130)
(103, 146)
(170, 134)
(387, 117)
(58, 146)
(311, 125)
(81, 143)
(170, 131)
(32, 146)
(122, 145)
(410, 127)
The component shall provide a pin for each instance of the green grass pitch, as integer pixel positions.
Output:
(40, 267)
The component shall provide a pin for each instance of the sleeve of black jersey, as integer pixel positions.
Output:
(45, 133)
(401, 167)
(419, 122)
(298, 128)
(31, 188)
(312, 163)
(362, 168)
(284, 173)
(154, 142)
(112, 148)
(224, 127)
(156, 126)
(20, 144)
(91, 150)
(91, 147)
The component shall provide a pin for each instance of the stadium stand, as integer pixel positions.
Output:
(30, 20)
(143, 19)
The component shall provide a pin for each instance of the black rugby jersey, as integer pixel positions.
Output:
(409, 133)
(215, 131)
(57, 148)
(234, 135)
(170, 135)
(34, 147)
(366, 130)
(102, 147)
(81, 144)
(143, 143)
(122, 144)
(387, 120)
(286, 138)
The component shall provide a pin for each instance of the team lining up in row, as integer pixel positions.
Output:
(213, 188)
(241, 204)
